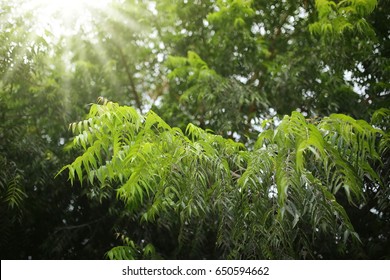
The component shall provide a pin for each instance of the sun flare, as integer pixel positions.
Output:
(63, 17)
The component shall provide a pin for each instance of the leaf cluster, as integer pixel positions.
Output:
(339, 17)
(273, 201)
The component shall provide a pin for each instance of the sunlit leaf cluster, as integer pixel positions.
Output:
(339, 17)
(271, 201)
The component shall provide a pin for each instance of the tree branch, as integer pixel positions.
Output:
(130, 78)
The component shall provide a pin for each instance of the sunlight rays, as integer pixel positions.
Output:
(64, 17)
(71, 35)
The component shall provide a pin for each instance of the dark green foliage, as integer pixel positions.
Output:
(268, 135)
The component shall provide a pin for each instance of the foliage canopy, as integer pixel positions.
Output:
(243, 129)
